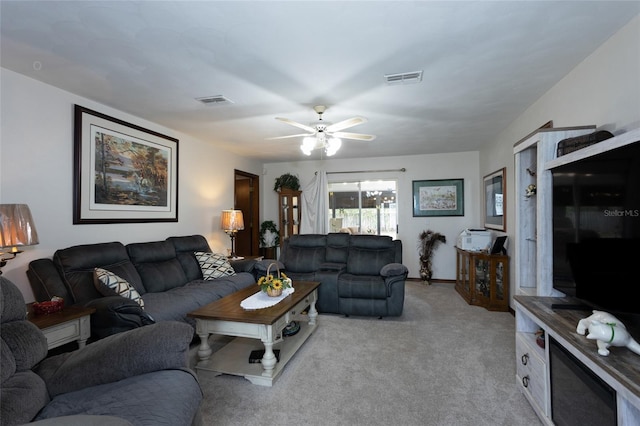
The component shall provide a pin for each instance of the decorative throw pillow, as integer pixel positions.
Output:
(214, 265)
(110, 284)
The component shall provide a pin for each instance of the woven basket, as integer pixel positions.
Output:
(272, 291)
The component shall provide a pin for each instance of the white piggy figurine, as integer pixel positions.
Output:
(607, 330)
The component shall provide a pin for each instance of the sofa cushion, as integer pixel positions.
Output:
(22, 396)
(362, 287)
(364, 261)
(158, 265)
(110, 284)
(76, 265)
(165, 397)
(176, 303)
(303, 253)
(23, 342)
(82, 420)
(337, 248)
(214, 265)
(185, 248)
(304, 259)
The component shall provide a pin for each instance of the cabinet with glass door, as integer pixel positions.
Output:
(290, 214)
(483, 279)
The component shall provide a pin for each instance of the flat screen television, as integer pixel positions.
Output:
(596, 229)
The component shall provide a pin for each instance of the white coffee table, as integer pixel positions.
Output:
(255, 329)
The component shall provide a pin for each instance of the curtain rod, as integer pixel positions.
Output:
(368, 171)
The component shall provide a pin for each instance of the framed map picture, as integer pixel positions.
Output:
(438, 197)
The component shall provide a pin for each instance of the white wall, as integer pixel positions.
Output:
(36, 168)
(421, 167)
(604, 90)
(36, 148)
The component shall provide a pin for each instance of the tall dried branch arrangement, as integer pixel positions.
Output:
(429, 240)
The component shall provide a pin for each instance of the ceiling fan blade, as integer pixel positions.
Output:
(356, 136)
(345, 124)
(296, 124)
(290, 136)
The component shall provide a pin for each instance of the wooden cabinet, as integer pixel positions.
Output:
(483, 279)
(289, 212)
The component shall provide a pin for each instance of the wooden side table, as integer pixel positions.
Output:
(70, 324)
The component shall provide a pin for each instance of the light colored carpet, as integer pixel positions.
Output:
(442, 362)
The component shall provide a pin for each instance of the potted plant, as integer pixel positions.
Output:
(428, 242)
(287, 181)
(269, 238)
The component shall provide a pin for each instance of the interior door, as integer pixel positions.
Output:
(247, 199)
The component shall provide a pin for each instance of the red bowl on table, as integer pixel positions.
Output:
(48, 307)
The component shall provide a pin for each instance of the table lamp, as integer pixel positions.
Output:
(231, 221)
(17, 229)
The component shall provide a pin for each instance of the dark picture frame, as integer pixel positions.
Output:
(498, 245)
(123, 173)
(441, 197)
(495, 200)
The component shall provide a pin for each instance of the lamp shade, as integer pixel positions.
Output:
(16, 226)
(231, 220)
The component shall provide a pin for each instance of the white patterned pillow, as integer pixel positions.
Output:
(110, 284)
(214, 265)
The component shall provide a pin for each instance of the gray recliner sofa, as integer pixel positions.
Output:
(139, 377)
(165, 273)
(359, 274)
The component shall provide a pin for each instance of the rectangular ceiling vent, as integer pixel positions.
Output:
(403, 78)
(215, 100)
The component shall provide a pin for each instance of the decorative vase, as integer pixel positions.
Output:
(273, 292)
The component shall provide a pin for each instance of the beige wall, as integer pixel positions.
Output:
(36, 168)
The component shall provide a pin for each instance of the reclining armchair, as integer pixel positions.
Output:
(135, 377)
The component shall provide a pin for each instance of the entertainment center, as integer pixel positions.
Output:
(559, 370)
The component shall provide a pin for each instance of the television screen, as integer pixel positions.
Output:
(596, 227)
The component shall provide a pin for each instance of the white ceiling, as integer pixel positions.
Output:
(484, 63)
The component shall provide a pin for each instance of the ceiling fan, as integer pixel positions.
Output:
(324, 135)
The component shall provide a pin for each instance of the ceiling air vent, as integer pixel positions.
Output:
(215, 100)
(404, 78)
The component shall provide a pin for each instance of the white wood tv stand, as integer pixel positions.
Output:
(620, 370)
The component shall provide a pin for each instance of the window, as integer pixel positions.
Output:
(364, 207)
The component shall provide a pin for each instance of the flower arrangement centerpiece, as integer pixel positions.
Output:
(274, 284)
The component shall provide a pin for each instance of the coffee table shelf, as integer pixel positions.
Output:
(254, 330)
(233, 358)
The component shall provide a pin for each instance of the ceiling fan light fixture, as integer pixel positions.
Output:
(308, 145)
(333, 146)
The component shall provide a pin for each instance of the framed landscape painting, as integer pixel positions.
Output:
(443, 197)
(495, 200)
(123, 173)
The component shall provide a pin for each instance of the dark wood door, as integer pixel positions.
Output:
(247, 199)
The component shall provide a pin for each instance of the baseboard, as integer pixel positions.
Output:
(435, 280)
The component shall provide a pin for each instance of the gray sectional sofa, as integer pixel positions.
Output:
(166, 274)
(138, 377)
(360, 274)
